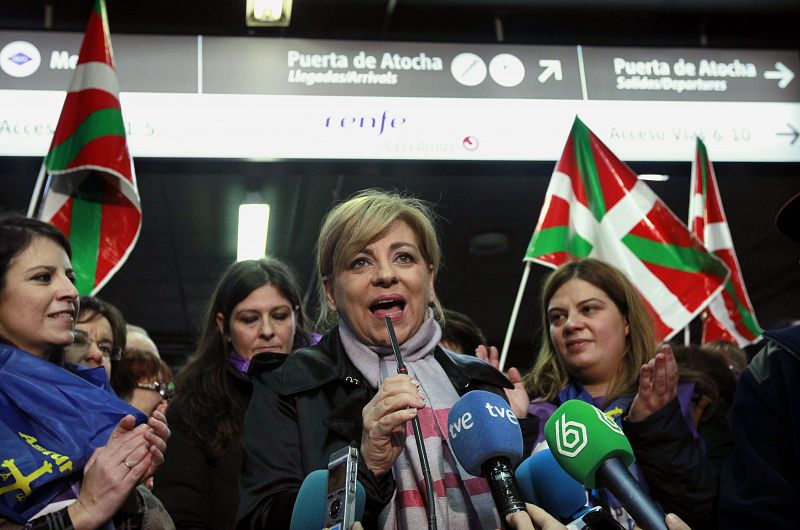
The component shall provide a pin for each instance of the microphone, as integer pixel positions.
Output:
(487, 441)
(430, 502)
(542, 481)
(309, 507)
(595, 452)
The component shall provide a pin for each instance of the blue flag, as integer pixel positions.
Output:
(51, 421)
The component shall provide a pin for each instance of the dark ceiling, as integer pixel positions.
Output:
(188, 236)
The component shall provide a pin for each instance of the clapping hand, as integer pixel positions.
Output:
(518, 397)
(658, 385)
(111, 474)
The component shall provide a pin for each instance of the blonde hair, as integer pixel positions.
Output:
(352, 225)
(548, 375)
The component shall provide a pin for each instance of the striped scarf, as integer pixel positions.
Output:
(461, 500)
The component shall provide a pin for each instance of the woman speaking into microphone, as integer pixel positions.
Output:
(377, 256)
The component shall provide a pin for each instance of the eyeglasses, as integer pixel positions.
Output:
(83, 342)
(165, 390)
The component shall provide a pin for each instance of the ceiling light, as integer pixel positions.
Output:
(253, 228)
(655, 177)
(268, 12)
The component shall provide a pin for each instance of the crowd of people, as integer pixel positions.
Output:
(96, 434)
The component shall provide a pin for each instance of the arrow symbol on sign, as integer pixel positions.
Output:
(795, 134)
(552, 67)
(781, 72)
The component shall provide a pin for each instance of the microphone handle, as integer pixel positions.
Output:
(615, 477)
(505, 492)
(430, 497)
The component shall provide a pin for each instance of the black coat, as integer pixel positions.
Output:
(760, 485)
(200, 491)
(310, 408)
(680, 475)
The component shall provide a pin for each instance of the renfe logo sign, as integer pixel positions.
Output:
(374, 123)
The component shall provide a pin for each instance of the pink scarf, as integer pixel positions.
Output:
(462, 500)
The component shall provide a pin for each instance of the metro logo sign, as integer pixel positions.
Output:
(20, 58)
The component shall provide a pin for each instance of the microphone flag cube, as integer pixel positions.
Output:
(481, 426)
(582, 437)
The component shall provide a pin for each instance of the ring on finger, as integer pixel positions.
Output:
(126, 464)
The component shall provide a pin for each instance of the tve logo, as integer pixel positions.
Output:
(462, 422)
(500, 412)
(465, 421)
(20, 58)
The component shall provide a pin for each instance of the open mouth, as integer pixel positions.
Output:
(391, 307)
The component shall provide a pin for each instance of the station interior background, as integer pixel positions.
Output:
(190, 205)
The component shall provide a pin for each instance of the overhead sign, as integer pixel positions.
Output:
(691, 74)
(344, 68)
(261, 98)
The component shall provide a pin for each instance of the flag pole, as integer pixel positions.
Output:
(38, 192)
(691, 227)
(514, 312)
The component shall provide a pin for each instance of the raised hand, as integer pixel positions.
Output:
(658, 385)
(385, 417)
(518, 397)
(488, 354)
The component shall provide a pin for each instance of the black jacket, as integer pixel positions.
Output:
(198, 490)
(311, 407)
(681, 476)
(760, 484)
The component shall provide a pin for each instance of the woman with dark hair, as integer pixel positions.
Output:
(599, 346)
(67, 463)
(255, 312)
(100, 335)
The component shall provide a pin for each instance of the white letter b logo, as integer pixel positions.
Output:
(570, 436)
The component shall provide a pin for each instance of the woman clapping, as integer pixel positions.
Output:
(72, 451)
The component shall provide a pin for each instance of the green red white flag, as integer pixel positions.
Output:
(596, 207)
(730, 314)
(87, 186)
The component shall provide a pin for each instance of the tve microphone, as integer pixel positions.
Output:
(542, 481)
(309, 507)
(487, 441)
(594, 451)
